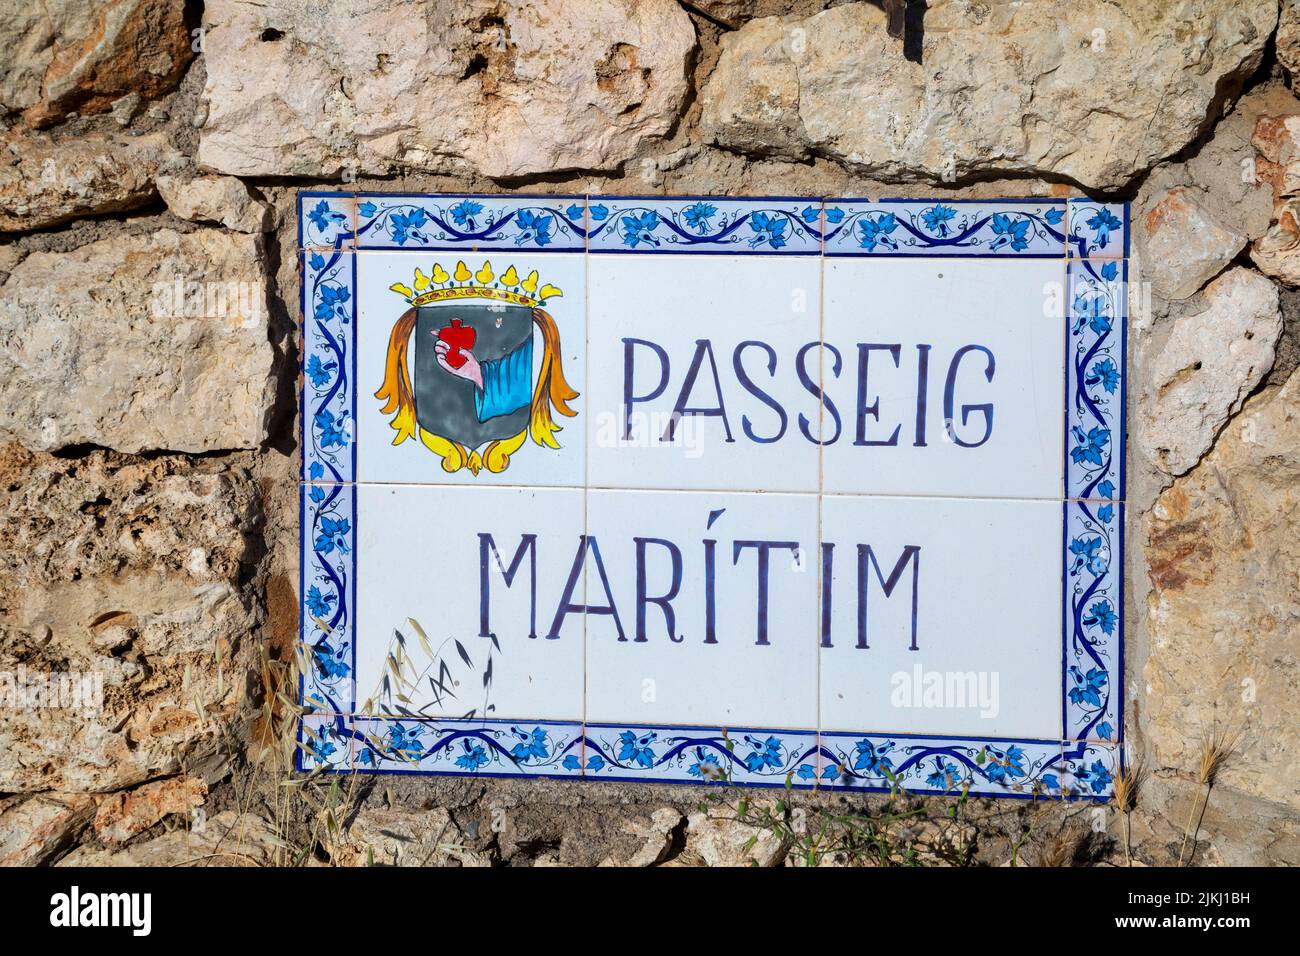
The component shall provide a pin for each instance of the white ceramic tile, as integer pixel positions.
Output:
(983, 579)
(757, 667)
(442, 399)
(1088, 768)
(994, 331)
(441, 557)
(326, 220)
(726, 334)
(1098, 230)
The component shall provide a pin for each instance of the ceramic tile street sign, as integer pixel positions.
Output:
(775, 491)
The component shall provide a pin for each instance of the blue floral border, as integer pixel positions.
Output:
(971, 228)
(328, 389)
(1098, 230)
(477, 222)
(805, 760)
(1093, 510)
(1089, 767)
(1044, 228)
(943, 766)
(649, 224)
(747, 756)
(1096, 345)
(1093, 620)
(325, 220)
(328, 589)
(1092, 713)
(482, 748)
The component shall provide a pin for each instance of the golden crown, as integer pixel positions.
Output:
(440, 286)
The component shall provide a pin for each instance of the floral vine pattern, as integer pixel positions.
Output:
(622, 224)
(1094, 462)
(328, 397)
(696, 755)
(1095, 238)
(1095, 386)
(467, 748)
(920, 765)
(1095, 379)
(793, 759)
(325, 220)
(328, 591)
(552, 223)
(1093, 605)
(1088, 769)
(911, 227)
(1098, 230)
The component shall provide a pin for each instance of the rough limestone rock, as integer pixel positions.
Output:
(1210, 363)
(732, 13)
(1224, 186)
(655, 836)
(1183, 245)
(122, 815)
(510, 88)
(1288, 36)
(44, 183)
(35, 831)
(10, 256)
(138, 343)
(1277, 137)
(1223, 550)
(219, 199)
(1277, 252)
(27, 32)
(131, 570)
(228, 839)
(718, 838)
(81, 55)
(396, 836)
(1093, 91)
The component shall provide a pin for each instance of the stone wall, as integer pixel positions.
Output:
(149, 453)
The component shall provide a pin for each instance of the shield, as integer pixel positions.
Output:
(475, 405)
(453, 407)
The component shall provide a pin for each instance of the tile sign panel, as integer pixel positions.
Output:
(770, 491)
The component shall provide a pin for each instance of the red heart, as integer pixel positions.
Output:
(457, 337)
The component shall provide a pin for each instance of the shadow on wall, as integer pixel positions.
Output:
(906, 23)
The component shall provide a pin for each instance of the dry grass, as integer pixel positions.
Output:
(324, 799)
(1217, 746)
(1129, 779)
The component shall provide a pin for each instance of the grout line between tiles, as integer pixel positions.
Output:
(586, 451)
(398, 485)
(821, 471)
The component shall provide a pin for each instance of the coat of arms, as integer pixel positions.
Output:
(474, 399)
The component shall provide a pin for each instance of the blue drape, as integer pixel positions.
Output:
(507, 383)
